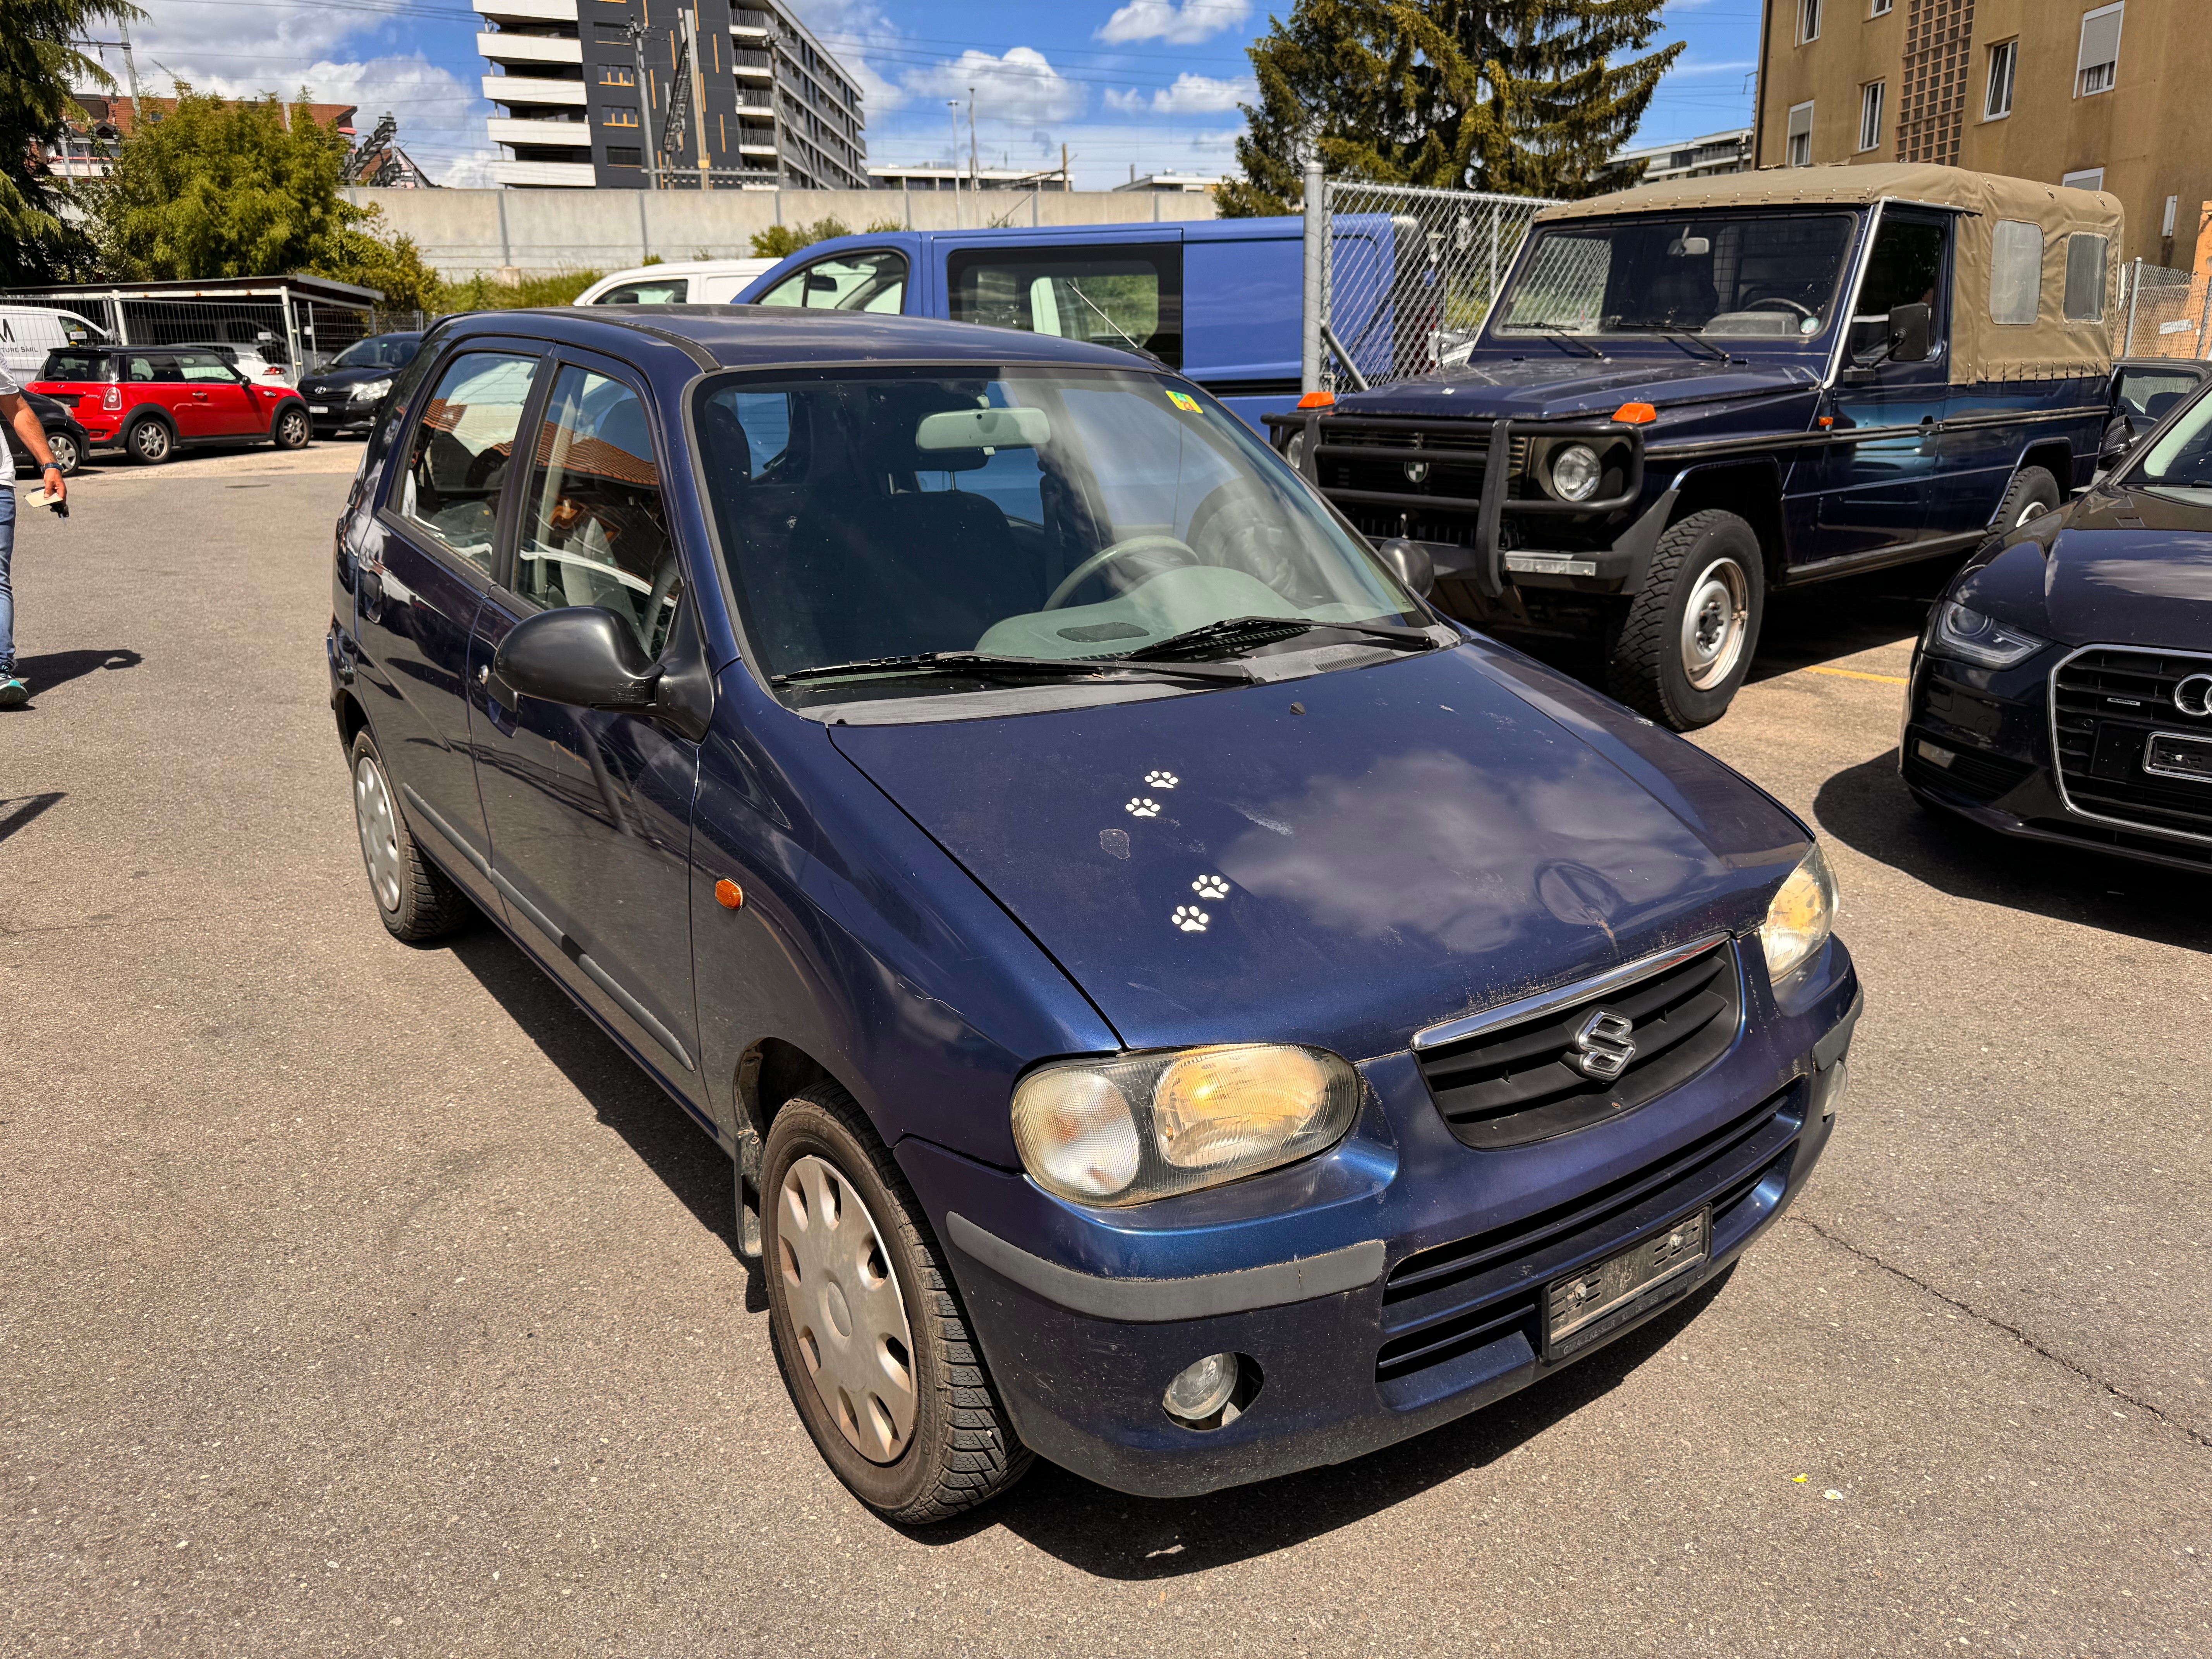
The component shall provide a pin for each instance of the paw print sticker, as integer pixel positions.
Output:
(1210, 887)
(1161, 779)
(1143, 806)
(1190, 919)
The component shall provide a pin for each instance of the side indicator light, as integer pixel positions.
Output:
(1827, 420)
(1636, 415)
(1317, 400)
(728, 894)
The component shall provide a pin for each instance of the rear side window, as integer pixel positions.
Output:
(847, 282)
(77, 366)
(2085, 279)
(2015, 273)
(667, 291)
(1126, 297)
(461, 451)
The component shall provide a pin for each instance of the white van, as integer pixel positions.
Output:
(687, 282)
(27, 333)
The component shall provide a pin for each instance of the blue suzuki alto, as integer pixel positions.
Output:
(1176, 1004)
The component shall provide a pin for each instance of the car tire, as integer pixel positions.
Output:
(67, 453)
(412, 894)
(149, 442)
(291, 429)
(957, 1446)
(2032, 493)
(1688, 641)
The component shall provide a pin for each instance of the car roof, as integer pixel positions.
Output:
(738, 336)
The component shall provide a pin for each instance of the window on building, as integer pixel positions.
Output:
(1801, 136)
(2015, 272)
(1880, 7)
(2098, 68)
(1871, 115)
(2172, 212)
(1809, 21)
(625, 155)
(2087, 179)
(614, 75)
(2004, 59)
(618, 115)
(2085, 279)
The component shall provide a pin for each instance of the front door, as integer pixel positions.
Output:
(590, 814)
(1876, 491)
(425, 565)
(217, 399)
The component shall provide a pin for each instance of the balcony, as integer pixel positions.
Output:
(503, 48)
(577, 175)
(745, 62)
(523, 89)
(748, 22)
(527, 11)
(574, 134)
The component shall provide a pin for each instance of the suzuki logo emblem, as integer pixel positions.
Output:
(1603, 1047)
(2194, 696)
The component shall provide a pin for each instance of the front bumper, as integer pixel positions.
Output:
(1385, 1288)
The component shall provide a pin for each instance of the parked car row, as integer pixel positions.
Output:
(151, 402)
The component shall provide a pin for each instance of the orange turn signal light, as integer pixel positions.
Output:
(728, 894)
(1636, 414)
(1317, 400)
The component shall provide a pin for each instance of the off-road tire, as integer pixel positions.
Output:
(422, 904)
(963, 1450)
(291, 429)
(1647, 669)
(149, 442)
(2032, 493)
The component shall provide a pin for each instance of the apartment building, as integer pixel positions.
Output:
(2106, 95)
(1691, 158)
(93, 131)
(584, 89)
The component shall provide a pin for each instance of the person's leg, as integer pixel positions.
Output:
(10, 688)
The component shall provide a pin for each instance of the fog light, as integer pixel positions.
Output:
(1839, 1083)
(1200, 1391)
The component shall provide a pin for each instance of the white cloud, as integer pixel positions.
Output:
(852, 29)
(1021, 87)
(1179, 22)
(1126, 101)
(1202, 95)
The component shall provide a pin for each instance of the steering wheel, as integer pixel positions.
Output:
(1237, 492)
(1106, 556)
(1779, 299)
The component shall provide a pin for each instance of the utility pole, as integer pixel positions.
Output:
(974, 177)
(635, 29)
(130, 69)
(952, 156)
(690, 20)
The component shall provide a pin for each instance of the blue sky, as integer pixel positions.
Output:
(1148, 84)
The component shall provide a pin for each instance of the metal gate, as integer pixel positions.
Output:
(1399, 279)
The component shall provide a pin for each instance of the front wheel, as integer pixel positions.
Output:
(2032, 493)
(1687, 642)
(867, 1325)
(292, 429)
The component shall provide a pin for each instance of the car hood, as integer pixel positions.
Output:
(1551, 387)
(1429, 836)
(2121, 566)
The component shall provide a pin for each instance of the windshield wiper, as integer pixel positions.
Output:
(1670, 332)
(1563, 333)
(977, 662)
(1238, 633)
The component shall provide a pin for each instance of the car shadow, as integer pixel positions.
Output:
(57, 668)
(1868, 808)
(1841, 619)
(18, 813)
(1110, 1535)
(689, 1164)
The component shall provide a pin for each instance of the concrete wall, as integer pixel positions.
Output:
(462, 232)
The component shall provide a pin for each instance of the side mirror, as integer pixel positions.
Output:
(1410, 563)
(1910, 330)
(585, 656)
(2118, 444)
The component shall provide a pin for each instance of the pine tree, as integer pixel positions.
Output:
(1525, 97)
(39, 63)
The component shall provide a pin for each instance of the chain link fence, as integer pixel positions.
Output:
(1410, 274)
(293, 325)
(2163, 312)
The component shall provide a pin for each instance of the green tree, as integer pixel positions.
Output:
(781, 241)
(38, 64)
(1525, 97)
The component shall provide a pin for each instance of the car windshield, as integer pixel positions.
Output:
(378, 351)
(1744, 275)
(1038, 513)
(2180, 462)
(66, 364)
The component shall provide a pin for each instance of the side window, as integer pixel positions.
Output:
(2015, 272)
(137, 369)
(1128, 297)
(594, 528)
(1906, 268)
(2085, 278)
(204, 366)
(848, 282)
(2149, 393)
(163, 368)
(460, 453)
(668, 291)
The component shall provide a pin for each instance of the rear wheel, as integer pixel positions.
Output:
(1691, 630)
(2032, 493)
(66, 453)
(412, 894)
(292, 429)
(867, 1325)
(149, 442)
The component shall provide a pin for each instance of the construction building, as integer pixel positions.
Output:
(642, 94)
(95, 131)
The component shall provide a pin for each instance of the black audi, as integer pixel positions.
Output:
(343, 396)
(2063, 689)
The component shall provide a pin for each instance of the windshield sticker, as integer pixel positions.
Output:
(1210, 887)
(1143, 806)
(1190, 919)
(1183, 401)
(1161, 779)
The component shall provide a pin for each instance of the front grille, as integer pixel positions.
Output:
(1509, 1084)
(1443, 1303)
(2104, 704)
(1371, 457)
(1968, 774)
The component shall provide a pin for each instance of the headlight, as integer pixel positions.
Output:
(1962, 632)
(1801, 917)
(369, 391)
(1575, 473)
(1126, 1131)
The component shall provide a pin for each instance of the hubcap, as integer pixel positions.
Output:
(63, 448)
(380, 831)
(848, 1320)
(292, 425)
(152, 441)
(1714, 623)
(2030, 510)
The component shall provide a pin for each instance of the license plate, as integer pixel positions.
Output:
(1585, 1306)
(2178, 755)
(319, 409)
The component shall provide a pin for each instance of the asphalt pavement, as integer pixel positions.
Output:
(357, 1298)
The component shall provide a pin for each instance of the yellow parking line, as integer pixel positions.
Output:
(1854, 674)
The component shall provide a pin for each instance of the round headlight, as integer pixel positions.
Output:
(1801, 917)
(1576, 473)
(1076, 1134)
